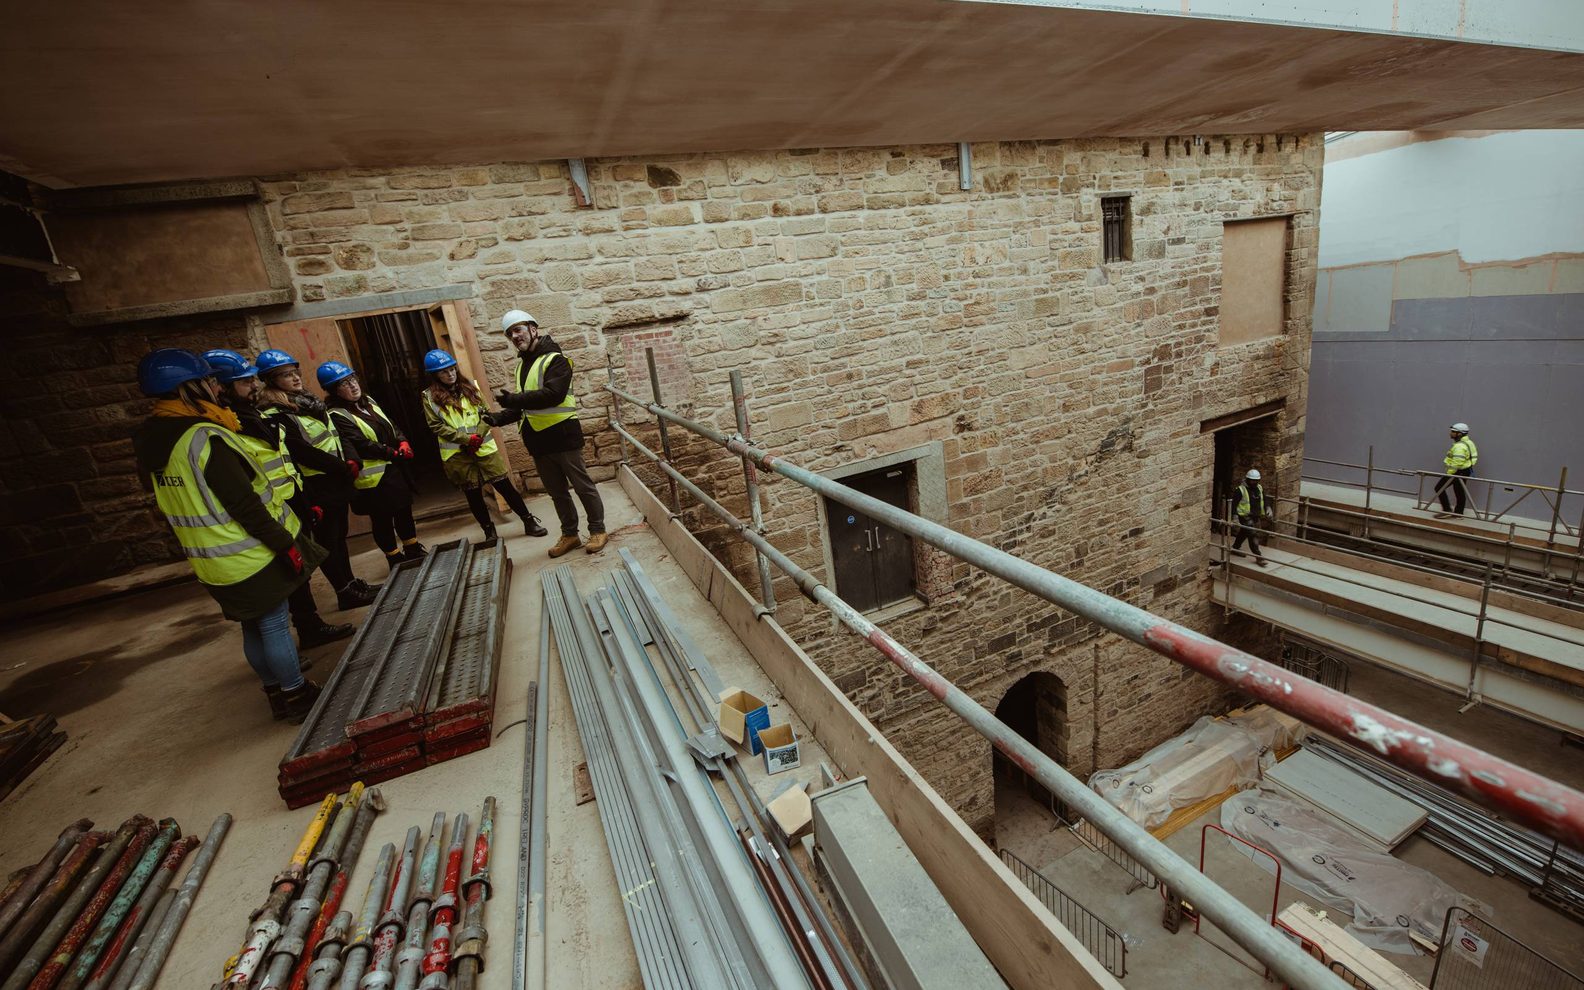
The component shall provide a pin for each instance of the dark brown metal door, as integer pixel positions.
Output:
(872, 561)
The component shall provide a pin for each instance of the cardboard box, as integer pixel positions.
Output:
(792, 811)
(780, 748)
(742, 716)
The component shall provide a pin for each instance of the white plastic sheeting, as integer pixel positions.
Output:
(1385, 896)
(1212, 756)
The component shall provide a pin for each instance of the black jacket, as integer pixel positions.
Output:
(395, 488)
(334, 485)
(563, 436)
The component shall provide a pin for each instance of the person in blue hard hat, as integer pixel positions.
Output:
(328, 468)
(265, 439)
(244, 543)
(383, 494)
(469, 455)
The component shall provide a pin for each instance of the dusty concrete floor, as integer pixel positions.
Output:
(1159, 959)
(165, 718)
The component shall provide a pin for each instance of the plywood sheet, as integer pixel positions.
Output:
(311, 342)
(1253, 279)
(1361, 805)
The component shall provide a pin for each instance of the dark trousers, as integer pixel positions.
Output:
(391, 523)
(1454, 481)
(508, 491)
(331, 533)
(1246, 531)
(563, 473)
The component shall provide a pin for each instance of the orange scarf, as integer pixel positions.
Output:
(182, 409)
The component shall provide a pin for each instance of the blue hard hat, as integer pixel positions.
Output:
(161, 371)
(438, 360)
(271, 359)
(229, 366)
(333, 371)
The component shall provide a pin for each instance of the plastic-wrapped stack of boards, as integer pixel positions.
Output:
(420, 923)
(99, 911)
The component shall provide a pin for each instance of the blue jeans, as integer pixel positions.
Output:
(271, 652)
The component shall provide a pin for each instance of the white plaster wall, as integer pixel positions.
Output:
(1498, 197)
(1555, 24)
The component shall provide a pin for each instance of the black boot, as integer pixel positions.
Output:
(320, 632)
(488, 526)
(355, 595)
(414, 551)
(365, 588)
(393, 557)
(531, 526)
(299, 703)
(277, 701)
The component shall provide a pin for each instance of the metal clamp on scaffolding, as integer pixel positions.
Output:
(1556, 810)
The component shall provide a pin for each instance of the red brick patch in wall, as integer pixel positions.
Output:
(671, 364)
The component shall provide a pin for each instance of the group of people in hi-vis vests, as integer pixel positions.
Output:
(256, 477)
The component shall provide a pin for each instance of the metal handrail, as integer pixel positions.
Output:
(1102, 941)
(1549, 806)
(1421, 501)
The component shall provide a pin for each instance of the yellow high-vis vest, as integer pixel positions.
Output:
(1463, 454)
(530, 378)
(372, 471)
(220, 550)
(466, 416)
(276, 461)
(320, 434)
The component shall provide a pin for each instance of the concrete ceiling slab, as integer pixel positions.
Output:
(101, 92)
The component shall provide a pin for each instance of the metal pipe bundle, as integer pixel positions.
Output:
(129, 891)
(355, 958)
(40, 873)
(436, 964)
(373, 803)
(409, 961)
(170, 925)
(468, 956)
(332, 941)
(71, 907)
(392, 921)
(265, 923)
(50, 896)
(356, 813)
(121, 951)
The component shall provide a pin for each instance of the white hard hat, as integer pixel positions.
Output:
(1253, 474)
(1460, 427)
(515, 317)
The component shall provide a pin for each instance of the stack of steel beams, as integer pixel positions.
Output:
(417, 684)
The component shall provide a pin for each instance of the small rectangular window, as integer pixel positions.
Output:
(1116, 215)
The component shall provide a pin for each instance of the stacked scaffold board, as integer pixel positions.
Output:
(416, 686)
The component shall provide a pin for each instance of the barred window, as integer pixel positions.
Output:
(1117, 223)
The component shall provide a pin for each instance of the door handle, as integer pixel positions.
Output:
(869, 541)
(877, 539)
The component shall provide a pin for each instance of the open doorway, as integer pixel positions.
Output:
(1243, 441)
(1036, 709)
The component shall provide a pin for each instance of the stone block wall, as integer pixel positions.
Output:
(873, 306)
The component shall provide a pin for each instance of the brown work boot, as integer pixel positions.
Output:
(596, 542)
(565, 544)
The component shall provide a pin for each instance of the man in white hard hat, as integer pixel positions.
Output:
(1459, 460)
(544, 403)
(1252, 509)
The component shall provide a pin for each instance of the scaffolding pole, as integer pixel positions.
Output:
(1537, 801)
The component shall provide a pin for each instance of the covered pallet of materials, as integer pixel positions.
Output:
(1387, 900)
(417, 684)
(1214, 756)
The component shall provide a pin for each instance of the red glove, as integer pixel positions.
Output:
(475, 442)
(353, 467)
(318, 514)
(404, 451)
(294, 558)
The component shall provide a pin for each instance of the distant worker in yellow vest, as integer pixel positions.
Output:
(265, 439)
(245, 544)
(469, 455)
(550, 429)
(1460, 460)
(383, 492)
(1251, 509)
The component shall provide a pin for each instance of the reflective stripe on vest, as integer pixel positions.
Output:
(530, 378)
(320, 433)
(220, 550)
(372, 471)
(276, 461)
(465, 416)
(1244, 505)
(1463, 454)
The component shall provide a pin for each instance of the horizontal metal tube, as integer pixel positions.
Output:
(1215, 903)
(1543, 804)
